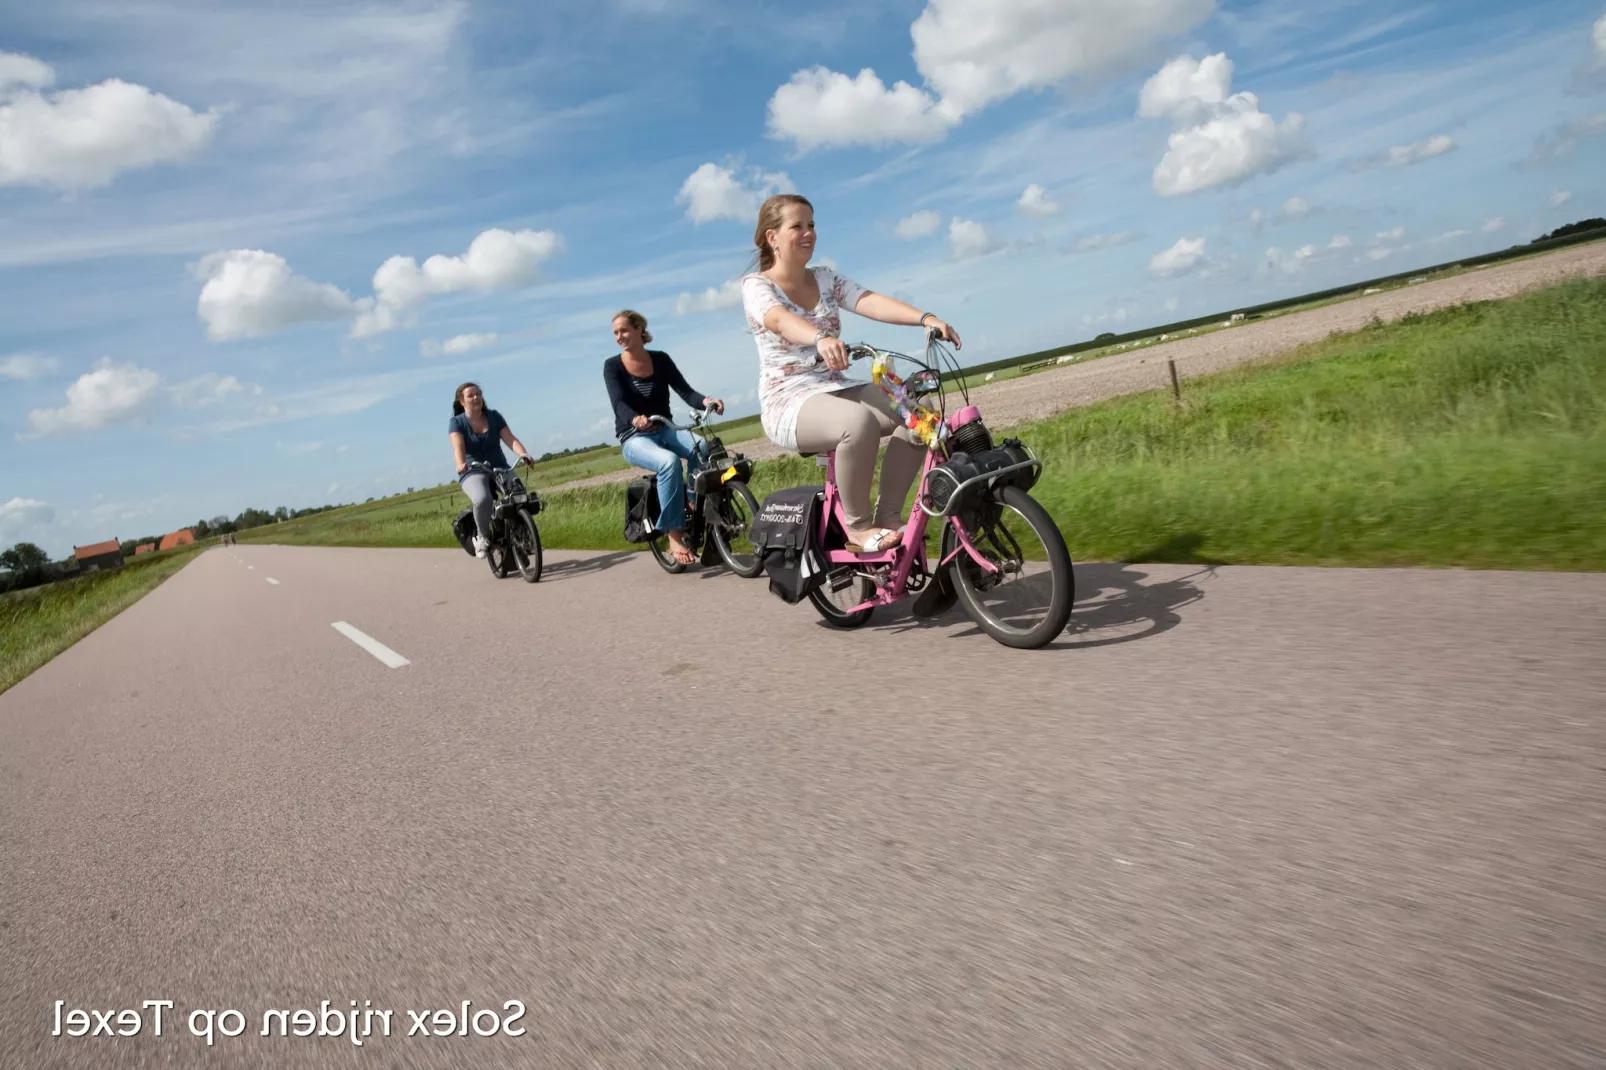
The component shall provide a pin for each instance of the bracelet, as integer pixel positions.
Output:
(923, 316)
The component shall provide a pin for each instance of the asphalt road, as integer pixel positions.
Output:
(1235, 818)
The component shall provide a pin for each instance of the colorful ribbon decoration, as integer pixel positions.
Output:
(927, 425)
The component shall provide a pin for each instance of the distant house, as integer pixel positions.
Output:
(181, 537)
(144, 548)
(101, 555)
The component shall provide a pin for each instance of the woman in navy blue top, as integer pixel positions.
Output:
(639, 380)
(477, 434)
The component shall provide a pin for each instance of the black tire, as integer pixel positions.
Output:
(862, 588)
(964, 574)
(524, 540)
(659, 545)
(497, 555)
(733, 508)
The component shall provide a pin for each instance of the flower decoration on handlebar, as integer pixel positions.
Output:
(926, 424)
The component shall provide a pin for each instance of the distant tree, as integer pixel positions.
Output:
(1105, 335)
(281, 513)
(26, 563)
(1573, 228)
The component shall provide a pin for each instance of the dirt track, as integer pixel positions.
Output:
(1037, 396)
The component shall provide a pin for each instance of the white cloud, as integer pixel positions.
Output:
(1219, 139)
(1290, 263)
(977, 52)
(726, 295)
(973, 53)
(1340, 241)
(1295, 208)
(456, 345)
(110, 394)
(208, 389)
(1492, 225)
(713, 192)
(1379, 253)
(1036, 202)
(821, 108)
(1562, 140)
(1449, 235)
(919, 225)
(1092, 243)
(250, 293)
(1560, 197)
(1414, 153)
(26, 366)
(967, 238)
(1600, 37)
(1391, 235)
(496, 260)
(19, 514)
(1256, 219)
(1180, 259)
(79, 139)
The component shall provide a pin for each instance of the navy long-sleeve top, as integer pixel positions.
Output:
(634, 396)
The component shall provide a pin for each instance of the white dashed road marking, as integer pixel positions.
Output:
(273, 581)
(370, 644)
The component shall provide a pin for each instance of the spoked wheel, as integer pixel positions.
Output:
(658, 543)
(1029, 603)
(497, 555)
(525, 540)
(843, 589)
(734, 508)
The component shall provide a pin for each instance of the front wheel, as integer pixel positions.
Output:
(525, 543)
(841, 590)
(1027, 603)
(734, 508)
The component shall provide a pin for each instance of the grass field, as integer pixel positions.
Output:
(38, 623)
(1468, 437)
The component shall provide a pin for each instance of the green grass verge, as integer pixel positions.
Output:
(1471, 437)
(38, 623)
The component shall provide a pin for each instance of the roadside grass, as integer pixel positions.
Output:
(38, 623)
(1469, 437)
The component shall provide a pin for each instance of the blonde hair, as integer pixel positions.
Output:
(638, 321)
(770, 217)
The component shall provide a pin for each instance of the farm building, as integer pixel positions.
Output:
(181, 537)
(144, 548)
(100, 555)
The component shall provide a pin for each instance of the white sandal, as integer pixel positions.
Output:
(879, 542)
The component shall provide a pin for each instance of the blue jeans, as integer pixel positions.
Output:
(661, 451)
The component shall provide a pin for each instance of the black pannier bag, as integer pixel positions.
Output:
(946, 478)
(464, 528)
(711, 478)
(641, 508)
(785, 536)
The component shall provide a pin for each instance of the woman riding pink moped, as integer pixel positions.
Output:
(793, 312)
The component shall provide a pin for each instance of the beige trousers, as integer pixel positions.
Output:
(853, 422)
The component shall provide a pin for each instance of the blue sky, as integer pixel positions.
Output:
(207, 210)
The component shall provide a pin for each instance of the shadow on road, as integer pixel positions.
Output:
(1113, 605)
(585, 566)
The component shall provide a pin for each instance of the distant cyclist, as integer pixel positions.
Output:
(477, 434)
(639, 380)
(793, 313)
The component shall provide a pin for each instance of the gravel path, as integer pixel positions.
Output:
(1046, 393)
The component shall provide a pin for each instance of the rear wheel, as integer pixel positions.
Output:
(734, 507)
(842, 589)
(659, 545)
(1028, 603)
(525, 540)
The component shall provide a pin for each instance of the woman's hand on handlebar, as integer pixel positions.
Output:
(834, 352)
(714, 403)
(462, 466)
(938, 329)
(641, 423)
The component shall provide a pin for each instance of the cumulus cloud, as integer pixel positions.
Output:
(1036, 202)
(26, 366)
(1492, 225)
(1379, 253)
(111, 394)
(19, 514)
(822, 108)
(1391, 235)
(1180, 259)
(80, 139)
(457, 345)
(1256, 219)
(496, 260)
(713, 192)
(1406, 155)
(1295, 208)
(1291, 262)
(1092, 243)
(726, 295)
(250, 293)
(919, 225)
(1220, 138)
(1600, 37)
(1340, 241)
(1560, 197)
(208, 389)
(967, 238)
(973, 53)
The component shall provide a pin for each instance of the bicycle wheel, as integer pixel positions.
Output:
(1030, 603)
(525, 545)
(843, 589)
(734, 508)
(497, 555)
